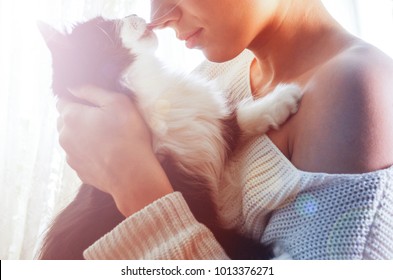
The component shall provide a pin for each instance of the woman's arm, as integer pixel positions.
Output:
(164, 230)
(109, 146)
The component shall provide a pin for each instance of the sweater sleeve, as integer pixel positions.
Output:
(337, 217)
(165, 229)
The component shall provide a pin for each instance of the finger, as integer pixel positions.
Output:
(60, 124)
(77, 166)
(94, 95)
(73, 149)
(72, 114)
(72, 161)
(65, 141)
(61, 104)
(64, 104)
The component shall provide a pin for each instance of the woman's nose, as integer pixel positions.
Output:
(163, 14)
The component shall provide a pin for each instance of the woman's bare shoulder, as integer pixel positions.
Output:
(347, 112)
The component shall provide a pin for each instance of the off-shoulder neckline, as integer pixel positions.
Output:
(285, 161)
(283, 158)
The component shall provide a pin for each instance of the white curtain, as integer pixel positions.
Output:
(371, 20)
(35, 181)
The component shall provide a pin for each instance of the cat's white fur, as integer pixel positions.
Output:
(185, 114)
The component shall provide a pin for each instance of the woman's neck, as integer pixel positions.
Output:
(302, 37)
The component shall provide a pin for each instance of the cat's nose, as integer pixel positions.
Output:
(136, 23)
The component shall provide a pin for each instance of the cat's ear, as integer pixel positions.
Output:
(53, 38)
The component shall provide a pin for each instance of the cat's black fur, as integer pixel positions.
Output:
(93, 54)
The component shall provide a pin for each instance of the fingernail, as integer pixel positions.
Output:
(72, 90)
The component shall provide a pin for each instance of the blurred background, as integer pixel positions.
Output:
(35, 181)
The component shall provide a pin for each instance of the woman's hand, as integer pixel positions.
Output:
(109, 146)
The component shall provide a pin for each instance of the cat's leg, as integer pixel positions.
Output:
(256, 117)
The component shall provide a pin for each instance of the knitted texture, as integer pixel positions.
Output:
(164, 230)
(339, 217)
(268, 183)
(310, 215)
(333, 216)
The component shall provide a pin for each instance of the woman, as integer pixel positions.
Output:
(336, 151)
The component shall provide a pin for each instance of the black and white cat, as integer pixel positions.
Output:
(194, 129)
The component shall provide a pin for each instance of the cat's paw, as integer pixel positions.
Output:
(256, 117)
(289, 96)
(286, 98)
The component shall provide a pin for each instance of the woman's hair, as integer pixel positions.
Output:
(93, 213)
(89, 216)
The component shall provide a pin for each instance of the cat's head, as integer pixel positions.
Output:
(96, 52)
(136, 36)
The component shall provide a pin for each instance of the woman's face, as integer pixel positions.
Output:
(220, 28)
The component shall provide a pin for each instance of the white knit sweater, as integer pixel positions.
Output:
(311, 215)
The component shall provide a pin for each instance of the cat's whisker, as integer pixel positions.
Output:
(193, 133)
(107, 35)
(118, 26)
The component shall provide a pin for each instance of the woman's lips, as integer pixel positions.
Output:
(191, 38)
